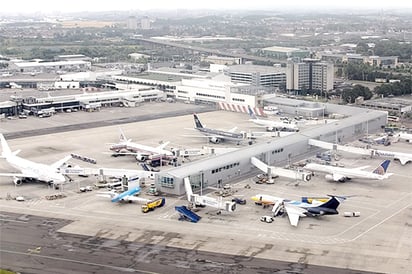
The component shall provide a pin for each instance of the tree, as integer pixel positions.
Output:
(350, 94)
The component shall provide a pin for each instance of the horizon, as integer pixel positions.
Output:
(75, 6)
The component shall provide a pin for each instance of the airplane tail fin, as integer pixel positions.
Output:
(251, 113)
(122, 138)
(197, 121)
(381, 169)
(5, 149)
(333, 203)
(163, 145)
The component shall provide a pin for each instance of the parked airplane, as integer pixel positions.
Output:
(216, 136)
(126, 196)
(142, 152)
(271, 125)
(31, 170)
(296, 209)
(340, 174)
(198, 200)
(403, 158)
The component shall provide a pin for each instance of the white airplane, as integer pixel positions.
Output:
(340, 174)
(272, 125)
(403, 158)
(296, 209)
(142, 152)
(30, 170)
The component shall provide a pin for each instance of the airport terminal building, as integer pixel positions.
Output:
(225, 168)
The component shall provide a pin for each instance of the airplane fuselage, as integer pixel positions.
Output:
(224, 135)
(346, 172)
(37, 171)
(129, 192)
(274, 124)
(142, 149)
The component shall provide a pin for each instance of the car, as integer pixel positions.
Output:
(20, 199)
(239, 201)
(266, 219)
(87, 188)
(22, 116)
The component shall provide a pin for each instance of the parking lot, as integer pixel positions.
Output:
(379, 240)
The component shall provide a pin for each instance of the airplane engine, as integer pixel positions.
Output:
(17, 181)
(315, 211)
(329, 177)
(230, 206)
(307, 177)
(141, 158)
(214, 140)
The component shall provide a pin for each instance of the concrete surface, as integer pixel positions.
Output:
(380, 240)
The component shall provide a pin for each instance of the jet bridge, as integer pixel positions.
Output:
(278, 171)
(110, 172)
(336, 147)
(198, 200)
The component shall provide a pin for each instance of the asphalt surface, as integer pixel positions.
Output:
(32, 244)
(108, 121)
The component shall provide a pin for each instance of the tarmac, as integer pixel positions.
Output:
(378, 241)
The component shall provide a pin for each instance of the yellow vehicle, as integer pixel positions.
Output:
(151, 205)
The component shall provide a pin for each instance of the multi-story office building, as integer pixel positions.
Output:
(257, 75)
(132, 22)
(309, 75)
(145, 23)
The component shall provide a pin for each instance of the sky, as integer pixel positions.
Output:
(46, 6)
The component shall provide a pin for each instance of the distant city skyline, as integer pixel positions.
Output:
(47, 6)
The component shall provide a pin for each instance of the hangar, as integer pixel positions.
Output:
(225, 168)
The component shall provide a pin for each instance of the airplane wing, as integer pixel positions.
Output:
(336, 177)
(361, 167)
(20, 175)
(61, 162)
(106, 194)
(135, 199)
(232, 130)
(127, 153)
(162, 146)
(294, 213)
